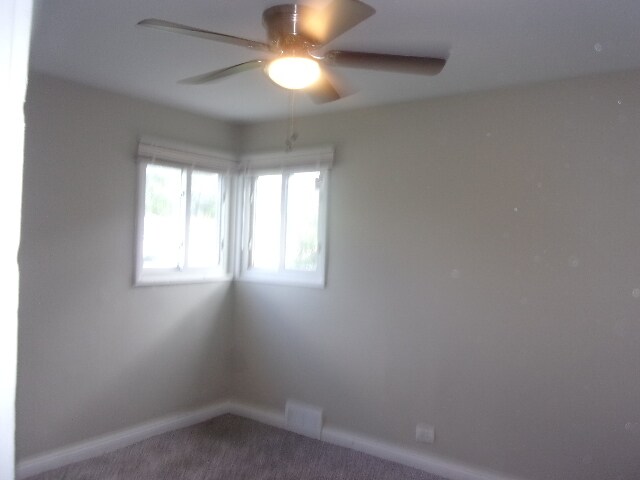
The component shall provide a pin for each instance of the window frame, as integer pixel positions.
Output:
(188, 159)
(310, 160)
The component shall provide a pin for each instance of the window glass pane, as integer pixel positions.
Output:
(163, 217)
(204, 222)
(303, 196)
(265, 251)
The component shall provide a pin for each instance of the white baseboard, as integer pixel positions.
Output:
(430, 463)
(434, 464)
(260, 414)
(112, 441)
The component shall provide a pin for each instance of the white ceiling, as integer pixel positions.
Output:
(490, 44)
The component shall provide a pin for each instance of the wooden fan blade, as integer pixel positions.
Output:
(335, 19)
(324, 90)
(197, 32)
(382, 61)
(224, 72)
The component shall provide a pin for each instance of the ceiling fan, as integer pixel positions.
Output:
(295, 35)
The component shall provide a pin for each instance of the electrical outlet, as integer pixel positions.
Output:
(425, 433)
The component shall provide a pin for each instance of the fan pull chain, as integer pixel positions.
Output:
(292, 134)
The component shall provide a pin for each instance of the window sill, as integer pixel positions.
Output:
(289, 281)
(186, 279)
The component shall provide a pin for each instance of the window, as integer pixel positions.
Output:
(284, 218)
(182, 215)
(185, 201)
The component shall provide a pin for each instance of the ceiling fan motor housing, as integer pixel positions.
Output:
(285, 29)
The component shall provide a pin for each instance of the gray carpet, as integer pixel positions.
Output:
(233, 448)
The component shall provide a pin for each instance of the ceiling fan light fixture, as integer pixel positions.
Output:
(293, 72)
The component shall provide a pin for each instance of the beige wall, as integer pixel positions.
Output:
(95, 354)
(482, 265)
(483, 257)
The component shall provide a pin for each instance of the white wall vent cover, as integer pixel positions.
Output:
(303, 419)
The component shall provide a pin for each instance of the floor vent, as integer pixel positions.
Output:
(303, 419)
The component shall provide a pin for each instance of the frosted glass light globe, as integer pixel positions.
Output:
(294, 73)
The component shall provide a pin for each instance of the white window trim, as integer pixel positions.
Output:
(303, 159)
(155, 150)
(315, 159)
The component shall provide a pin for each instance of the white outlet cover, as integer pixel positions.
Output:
(425, 433)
